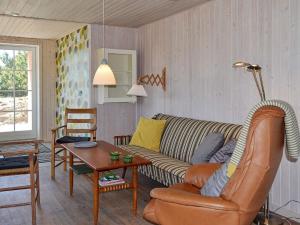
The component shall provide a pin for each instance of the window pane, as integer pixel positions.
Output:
(23, 100)
(21, 80)
(6, 121)
(6, 80)
(23, 121)
(23, 60)
(6, 101)
(6, 59)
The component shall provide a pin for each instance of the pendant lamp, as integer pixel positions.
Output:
(104, 75)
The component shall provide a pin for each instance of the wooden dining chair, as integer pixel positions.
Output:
(21, 161)
(80, 125)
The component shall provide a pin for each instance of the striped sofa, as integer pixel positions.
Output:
(180, 139)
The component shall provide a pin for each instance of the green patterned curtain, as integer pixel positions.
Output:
(73, 84)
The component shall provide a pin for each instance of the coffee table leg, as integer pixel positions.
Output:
(96, 196)
(135, 188)
(71, 174)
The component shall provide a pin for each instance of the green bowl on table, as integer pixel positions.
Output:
(114, 156)
(127, 158)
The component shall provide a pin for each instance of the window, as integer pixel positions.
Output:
(18, 98)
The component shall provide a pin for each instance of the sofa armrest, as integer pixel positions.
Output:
(191, 199)
(199, 174)
(122, 139)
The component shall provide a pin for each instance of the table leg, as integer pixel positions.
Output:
(134, 189)
(96, 196)
(71, 174)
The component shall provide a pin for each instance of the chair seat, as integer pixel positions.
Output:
(71, 139)
(14, 162)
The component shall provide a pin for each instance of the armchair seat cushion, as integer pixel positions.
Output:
(71, 139)
(14, 162)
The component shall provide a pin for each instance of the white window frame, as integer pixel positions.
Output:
(34, 133)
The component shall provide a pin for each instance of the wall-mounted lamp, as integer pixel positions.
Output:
(154, 80)
(255, 70)
(137, 90)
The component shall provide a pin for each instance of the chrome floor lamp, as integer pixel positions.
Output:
(256, 72)
(257, 76)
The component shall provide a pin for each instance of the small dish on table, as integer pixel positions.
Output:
(85, 144)
(128, 158)
(114, 156)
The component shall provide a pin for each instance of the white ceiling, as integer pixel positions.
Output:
(33, 28)
(64, 15)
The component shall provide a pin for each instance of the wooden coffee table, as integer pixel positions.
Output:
(98, 158)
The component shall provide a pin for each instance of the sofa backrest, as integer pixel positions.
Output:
(183, 135)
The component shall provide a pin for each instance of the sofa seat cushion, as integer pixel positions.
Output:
(163, 162)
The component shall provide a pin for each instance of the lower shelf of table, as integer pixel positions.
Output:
(116, 187)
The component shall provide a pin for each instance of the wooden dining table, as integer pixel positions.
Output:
(99, 160)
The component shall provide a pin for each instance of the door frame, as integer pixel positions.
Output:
(35, 132)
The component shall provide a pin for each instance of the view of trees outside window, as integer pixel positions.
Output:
(15, 90)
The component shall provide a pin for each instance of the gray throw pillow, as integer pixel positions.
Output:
(224, 153)
(216, 182)
(207, 148)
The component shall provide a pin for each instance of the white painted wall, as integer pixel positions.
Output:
(198, 48)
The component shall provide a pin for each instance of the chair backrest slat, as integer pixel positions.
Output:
(79, 131)
(81, 123)
(91, 121)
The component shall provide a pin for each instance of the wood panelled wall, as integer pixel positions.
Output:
(47, 75)
(198, 47)
(113, 118)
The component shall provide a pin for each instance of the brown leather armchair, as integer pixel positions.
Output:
(244, 194)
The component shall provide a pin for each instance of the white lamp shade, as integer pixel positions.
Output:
(137, 90)
(104, 75)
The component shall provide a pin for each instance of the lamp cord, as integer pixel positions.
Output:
(103, 26)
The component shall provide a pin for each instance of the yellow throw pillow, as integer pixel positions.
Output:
(148, 133)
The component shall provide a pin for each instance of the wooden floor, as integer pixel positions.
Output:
(58, 208)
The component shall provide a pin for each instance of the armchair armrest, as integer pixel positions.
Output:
(191, 199)
(122, 139)
(57, 128)
(199, 174)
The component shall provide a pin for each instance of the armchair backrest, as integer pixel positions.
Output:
(81, 121)
(250, 184)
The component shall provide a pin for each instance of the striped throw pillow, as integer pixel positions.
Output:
(224, 153)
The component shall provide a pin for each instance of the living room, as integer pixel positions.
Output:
(154, 76)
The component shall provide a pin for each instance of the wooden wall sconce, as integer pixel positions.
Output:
(154, 80)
